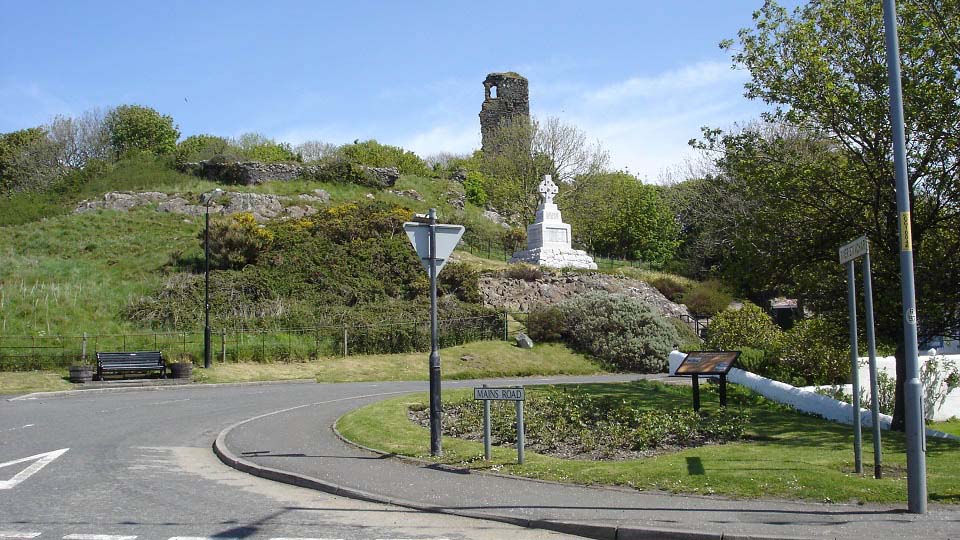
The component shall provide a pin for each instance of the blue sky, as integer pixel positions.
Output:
(640, 77)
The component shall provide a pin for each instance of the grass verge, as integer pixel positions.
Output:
(785, 454)
(481, 359)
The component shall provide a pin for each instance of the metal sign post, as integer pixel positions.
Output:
(849, 253)
(434, 243)
(516, 394)
(913, 389)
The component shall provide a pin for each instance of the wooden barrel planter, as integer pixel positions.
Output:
(81, 374)
(181, 370)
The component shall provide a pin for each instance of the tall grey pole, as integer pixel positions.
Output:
(872, 346)
(916, 437)
(207, 362)
(854, 368)
(435, 407)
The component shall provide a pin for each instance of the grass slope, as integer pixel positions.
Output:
(788, 455)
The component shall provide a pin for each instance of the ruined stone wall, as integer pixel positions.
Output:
(506, 96)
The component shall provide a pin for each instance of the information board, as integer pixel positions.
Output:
(708, 363)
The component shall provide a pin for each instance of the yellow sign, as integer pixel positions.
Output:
(905, 234)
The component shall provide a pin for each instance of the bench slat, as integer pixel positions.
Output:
(130, 361)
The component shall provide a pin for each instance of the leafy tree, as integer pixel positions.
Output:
(820, 173)
(525, 150)
(201, 147)
(134, 127)
(616, 215)
(29, 161)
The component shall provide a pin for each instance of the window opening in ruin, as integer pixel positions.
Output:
(493, 92)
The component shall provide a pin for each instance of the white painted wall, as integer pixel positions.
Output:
(801, 399)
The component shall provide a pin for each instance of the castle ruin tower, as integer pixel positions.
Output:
(505, 97)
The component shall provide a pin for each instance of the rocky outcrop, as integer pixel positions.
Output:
(263, 207)
(251, 173)
(520, 295)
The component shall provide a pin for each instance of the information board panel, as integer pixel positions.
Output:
(708, 363)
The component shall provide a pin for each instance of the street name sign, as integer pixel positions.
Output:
(448, 236)
(499, 394)
(855, 249)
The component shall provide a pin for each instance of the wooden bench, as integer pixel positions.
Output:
(135, 362)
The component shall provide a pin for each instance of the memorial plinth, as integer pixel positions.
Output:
(548, 239)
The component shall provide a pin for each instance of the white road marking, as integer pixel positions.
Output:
(282, 538)
(39, 461)
(97, 537)
(200, 538)
(19, 534)
(21, 427)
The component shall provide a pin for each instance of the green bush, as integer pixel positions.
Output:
(236, 241)
(525, 272)
(138, 128)
(473, 186)
(749, 326)
(339, 170)
(546, 323)
(815, 352)
(707, 299)
(461, 280)
(200, 148)
(373, 154)
(620, 330)
(671, 288)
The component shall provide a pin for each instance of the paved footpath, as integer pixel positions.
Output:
(299, 446)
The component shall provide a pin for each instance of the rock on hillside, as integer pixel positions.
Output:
(263, 207)
(521, 295)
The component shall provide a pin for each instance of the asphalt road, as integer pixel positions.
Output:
(139, 464)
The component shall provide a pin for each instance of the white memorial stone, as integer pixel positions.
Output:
(548, 239)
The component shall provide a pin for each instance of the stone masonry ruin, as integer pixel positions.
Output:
(506, 96)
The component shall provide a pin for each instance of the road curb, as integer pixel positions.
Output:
(587, 530)
(60, 394)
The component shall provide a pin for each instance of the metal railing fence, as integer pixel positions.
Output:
(24, 353)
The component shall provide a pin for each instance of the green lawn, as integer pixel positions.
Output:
(786, 454)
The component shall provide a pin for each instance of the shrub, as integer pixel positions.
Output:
(257, 147)
(615, 328)
(514, 239)
(461, 280)
(669, 287)
(813, 352)
(525, 272)
(707, 299)
(373, 154)
(546, 323)
(748, 326)
(236, 241)
(200, 147)
(473, 185)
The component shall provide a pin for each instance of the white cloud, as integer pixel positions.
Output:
(457, 139)
(645, 122)
(701, 75)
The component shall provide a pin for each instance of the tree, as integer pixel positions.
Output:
(29, 161)
(820, 173)
(616, 215)
(528, 149)
(314, 150)
(80, 139)
(134, 127)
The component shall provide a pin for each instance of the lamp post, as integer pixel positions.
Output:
(206, 199)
